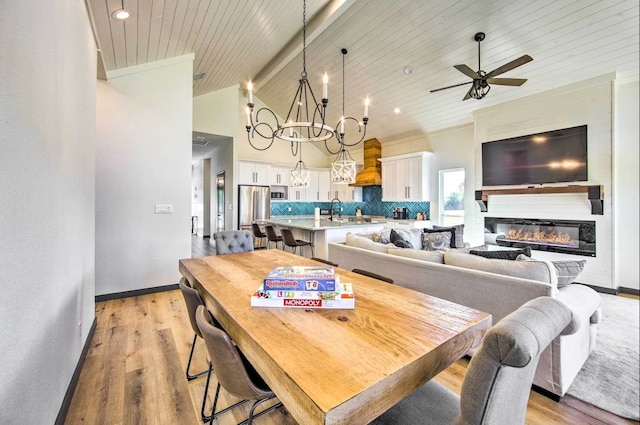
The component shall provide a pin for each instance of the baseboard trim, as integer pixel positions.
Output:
(610, 291)
(546, 393)
(66, 401)
(630, 291)
(135, 293)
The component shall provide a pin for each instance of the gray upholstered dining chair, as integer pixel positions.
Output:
(498, 380)
(373, 275)
(233, 241)
(233, 371)
(192, 299)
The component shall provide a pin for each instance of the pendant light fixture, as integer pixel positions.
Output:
(343, 168)
(306, 118)
(300, 175)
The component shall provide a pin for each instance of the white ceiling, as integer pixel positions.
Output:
(238, 40)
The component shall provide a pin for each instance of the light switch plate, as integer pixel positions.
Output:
(164, 208)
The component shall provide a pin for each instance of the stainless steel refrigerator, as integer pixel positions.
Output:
(254, 204)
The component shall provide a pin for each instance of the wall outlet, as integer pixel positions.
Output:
(289, 209)
(164, 208)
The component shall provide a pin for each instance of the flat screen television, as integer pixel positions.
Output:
(550, 157)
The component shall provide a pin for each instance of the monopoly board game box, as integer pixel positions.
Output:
(301, 278)
(342, 298)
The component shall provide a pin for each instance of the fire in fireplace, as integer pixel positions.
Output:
(566, 236)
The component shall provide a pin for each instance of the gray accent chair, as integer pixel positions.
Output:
(192, 299)
(234, 372)
(498, 380)
(233, 241)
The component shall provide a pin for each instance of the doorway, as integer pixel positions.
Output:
(220, 202)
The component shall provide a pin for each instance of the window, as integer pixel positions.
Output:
(451, 197)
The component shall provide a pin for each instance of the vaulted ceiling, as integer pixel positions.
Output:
(235, 41)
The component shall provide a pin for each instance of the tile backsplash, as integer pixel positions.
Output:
(372, 205)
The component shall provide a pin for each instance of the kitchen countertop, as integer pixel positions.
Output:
(309, 223)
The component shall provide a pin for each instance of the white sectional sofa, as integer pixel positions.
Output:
(494, 286)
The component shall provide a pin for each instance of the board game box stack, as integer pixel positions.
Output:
(304, 287)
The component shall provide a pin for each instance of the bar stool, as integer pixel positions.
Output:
(293, 243)
(259, 235)
(272, 236)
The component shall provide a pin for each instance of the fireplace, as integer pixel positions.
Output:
(565, 236)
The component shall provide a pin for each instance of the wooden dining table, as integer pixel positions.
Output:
(328, 366)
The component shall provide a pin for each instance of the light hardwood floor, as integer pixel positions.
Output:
(134, 373)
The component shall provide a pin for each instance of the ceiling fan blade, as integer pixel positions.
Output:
(467, 71)
(450, 87)
(509, 66)
(468, 95)
(507, 81)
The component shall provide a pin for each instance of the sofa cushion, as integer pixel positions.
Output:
(458, 241)
(503, 254)
(436, 241)
(397, 239)
(535, 270)
(364, 243)
(419, 254)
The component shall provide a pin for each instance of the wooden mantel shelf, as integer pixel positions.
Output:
(594, 193)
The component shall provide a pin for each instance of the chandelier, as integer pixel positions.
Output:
(306, 118)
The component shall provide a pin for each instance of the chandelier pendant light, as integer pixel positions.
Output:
(300, 175)
(343, 168)
(305, 121)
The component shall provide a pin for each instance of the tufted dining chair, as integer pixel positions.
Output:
(233, 241)
(497, 384)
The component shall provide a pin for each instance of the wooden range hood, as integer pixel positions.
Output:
(371, 174)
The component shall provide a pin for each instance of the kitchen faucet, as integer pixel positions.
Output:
(331, 208)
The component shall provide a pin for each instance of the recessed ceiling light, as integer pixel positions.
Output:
(199, 76)
(407, 70)
(121, 14)
(396, 110)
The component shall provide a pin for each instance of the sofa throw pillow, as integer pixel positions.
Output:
(413, 236)
(452, 234)
(398, 240)
(503, 254)
(484, 247)
(458, 241)
(381, 237)
(568, 271)
(436, 241)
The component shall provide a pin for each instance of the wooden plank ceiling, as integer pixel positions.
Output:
(237, 40)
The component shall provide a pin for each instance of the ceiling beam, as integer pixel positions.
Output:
(315, 26)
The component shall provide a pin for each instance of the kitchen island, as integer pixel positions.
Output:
(323, 231)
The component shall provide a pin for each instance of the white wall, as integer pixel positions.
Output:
(47, 175)
(143, 159)
(197, 194)
(626, 156)
(589, 102)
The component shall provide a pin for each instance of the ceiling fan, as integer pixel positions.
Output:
(481, 80)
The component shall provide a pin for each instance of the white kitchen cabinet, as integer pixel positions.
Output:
(346, 193)
(406, 177)
(297, 194)
(279, 175)
(253, 173)
(319, 191)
